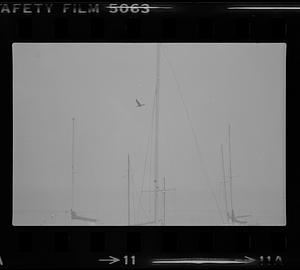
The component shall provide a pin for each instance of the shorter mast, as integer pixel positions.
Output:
(164, 190)
(73, 213)
(224, 182)
(73, 170)
(128, 178)
(234, 219)
(230, 169)
(164, 198)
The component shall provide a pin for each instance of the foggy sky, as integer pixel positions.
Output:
(97, 84)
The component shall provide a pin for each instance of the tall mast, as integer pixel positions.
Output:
(230, 170)
(128, 175)
(156, 150)
(73, 153)
(224, 181)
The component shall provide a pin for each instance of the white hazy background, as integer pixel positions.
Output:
(97, 84)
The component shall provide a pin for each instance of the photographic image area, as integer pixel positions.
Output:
(147, 134)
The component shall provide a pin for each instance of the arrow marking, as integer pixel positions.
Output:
(111, 260)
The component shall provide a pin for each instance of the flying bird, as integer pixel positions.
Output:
(139, 104)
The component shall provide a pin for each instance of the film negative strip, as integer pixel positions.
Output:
(149, 135)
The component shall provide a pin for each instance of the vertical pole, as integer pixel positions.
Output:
(230, 170)
(128, 172)
(224, 181)
(73, 153)
(164, 194)
(156, 153)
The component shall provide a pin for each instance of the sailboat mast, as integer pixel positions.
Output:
(164, 194)
(73, 153)
(156, 150)
(224, 182)
(128, 175)
(230, 170)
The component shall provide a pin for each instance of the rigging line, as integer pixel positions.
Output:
(150, 175)
(230, 169)
(132, 197)
(146, 158)
(134, 184)
(194, 135)
(149, 143)
(151, 159)
(224, 180)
